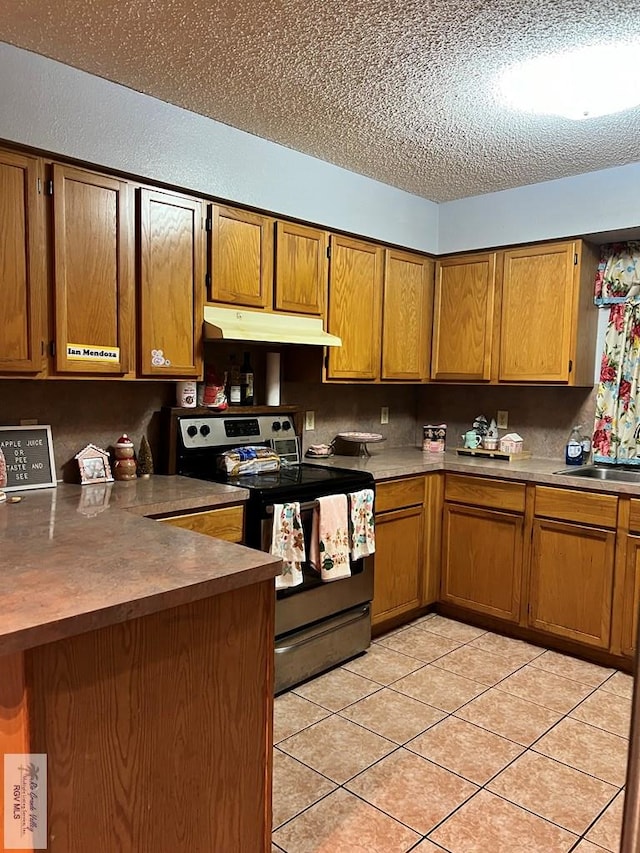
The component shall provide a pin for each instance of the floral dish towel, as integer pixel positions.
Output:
(363, 538)
(287, 542)
(330, 538)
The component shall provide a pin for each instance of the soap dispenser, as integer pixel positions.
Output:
(574, 452)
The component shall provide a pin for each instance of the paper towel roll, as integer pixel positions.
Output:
(273, 379)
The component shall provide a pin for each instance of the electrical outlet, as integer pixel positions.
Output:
(503, 420)
(384, 415)
(309, 420)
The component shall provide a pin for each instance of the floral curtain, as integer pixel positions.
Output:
(616, 436)
(618, 270)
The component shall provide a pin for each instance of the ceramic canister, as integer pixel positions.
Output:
(186, 394)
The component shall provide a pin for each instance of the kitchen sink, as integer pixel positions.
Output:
(597, 472)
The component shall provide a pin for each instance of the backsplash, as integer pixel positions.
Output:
(342, 408)
(542, 416)
(83, 411)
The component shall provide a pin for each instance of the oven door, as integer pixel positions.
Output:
(315, 599)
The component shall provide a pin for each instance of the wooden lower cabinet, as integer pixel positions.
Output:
(482, 560)
(400, 548)
(398, 563)
(626, 608)
(224, 523)
(631, 601)
(571, 582)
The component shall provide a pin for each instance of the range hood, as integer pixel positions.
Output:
(230, 324)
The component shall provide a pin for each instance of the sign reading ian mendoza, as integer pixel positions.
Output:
(28, 452)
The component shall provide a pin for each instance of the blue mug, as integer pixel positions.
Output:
(471, 439)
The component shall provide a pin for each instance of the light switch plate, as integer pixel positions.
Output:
(502, 420)
(384, 415)
(309, 420)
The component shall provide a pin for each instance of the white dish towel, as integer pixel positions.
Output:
(287, 542)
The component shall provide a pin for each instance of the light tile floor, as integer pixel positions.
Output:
(443, 737)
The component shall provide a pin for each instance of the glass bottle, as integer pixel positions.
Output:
(246, 382)
(235, 392)
(573, 450)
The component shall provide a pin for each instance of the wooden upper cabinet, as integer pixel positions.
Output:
(301, 269)
(93, 272)
(242, 257)
(541, 311)
(171, 292)
(463, 317)
(22, 269)
(355, 297)
(406, 315)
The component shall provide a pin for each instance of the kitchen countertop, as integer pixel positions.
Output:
(77, 558)
(402, 461)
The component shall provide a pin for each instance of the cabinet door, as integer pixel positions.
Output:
(171, 285)
(93, 272)
(482, 560)
(242, 257)
(571, 581)
(463, 317)
(631, 602)
(537, 316)
(22, 270)
(301, 269)
(355, 296)
(398, 563)
(407, 306)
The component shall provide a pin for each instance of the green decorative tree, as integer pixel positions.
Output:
(145, 459)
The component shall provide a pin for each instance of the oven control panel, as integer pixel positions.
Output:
(206, 432)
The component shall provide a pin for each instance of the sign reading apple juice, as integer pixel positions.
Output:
(28, 454)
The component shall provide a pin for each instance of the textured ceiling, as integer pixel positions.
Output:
(401, 92)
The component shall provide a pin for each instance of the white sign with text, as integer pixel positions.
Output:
(25, 801)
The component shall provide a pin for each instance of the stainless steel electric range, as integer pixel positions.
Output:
(318, 625)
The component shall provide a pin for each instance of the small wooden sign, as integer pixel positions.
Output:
(28, 451)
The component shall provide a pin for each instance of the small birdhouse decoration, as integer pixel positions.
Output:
(511, 443)
(94, 465)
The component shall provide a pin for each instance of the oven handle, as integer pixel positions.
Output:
(303, 507)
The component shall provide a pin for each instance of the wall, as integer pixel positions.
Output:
(59, 109)
(583, 204)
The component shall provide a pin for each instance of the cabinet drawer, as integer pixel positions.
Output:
(570, 505)
(634, 515)
(226, 523)
(496, 494)
(394, 494)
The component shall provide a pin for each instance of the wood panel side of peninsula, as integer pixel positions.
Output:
(158, 730)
